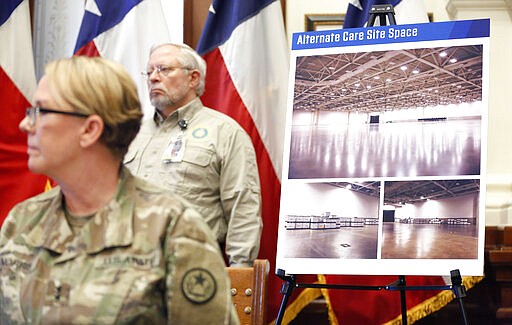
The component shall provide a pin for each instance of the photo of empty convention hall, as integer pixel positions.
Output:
(397, 113)
(435, 219)
(329, 220)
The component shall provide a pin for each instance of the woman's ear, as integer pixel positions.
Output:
(92, 130)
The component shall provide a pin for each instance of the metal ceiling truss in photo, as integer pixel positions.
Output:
(409, 192)
(380, 81)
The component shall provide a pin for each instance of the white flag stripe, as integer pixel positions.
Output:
(16, 50)
(265, 95)
(129, 43)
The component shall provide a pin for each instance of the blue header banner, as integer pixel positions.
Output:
(391, 34)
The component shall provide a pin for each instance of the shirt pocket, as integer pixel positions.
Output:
(198, 172)
(198, 156)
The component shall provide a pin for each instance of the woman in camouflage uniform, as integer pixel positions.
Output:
(102, 247)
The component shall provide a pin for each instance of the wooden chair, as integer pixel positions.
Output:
(249, 292)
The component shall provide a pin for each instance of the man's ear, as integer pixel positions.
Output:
(194, 78)
(91, 130)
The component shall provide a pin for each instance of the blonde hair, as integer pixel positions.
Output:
(95, 85)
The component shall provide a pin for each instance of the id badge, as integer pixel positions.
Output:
(175, 150)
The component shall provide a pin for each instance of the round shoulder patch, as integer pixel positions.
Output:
(198, 285)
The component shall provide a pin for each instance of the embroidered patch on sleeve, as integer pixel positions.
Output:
(199, 286)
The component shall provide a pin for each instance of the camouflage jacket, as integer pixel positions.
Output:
(145, 258)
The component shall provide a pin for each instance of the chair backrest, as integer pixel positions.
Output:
(249, 292)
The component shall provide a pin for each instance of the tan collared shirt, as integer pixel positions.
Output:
(217, 172)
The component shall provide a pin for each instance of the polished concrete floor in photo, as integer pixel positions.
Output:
(400, 241)
(406, 149)
(429, 241)
(346, 243)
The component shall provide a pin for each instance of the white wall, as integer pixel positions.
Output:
(317, 198)
(458, 111)
(333, 118)
(325, 118)
(455, 207)
(302, 118)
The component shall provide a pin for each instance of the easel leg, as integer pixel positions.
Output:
(459, 291)
(403, 300)
(286, 290)
(401, 286)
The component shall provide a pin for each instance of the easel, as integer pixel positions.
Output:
(382, 11)
(458, 289)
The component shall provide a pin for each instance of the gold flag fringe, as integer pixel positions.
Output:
(419, 311)
(302, 300)
(333, 320)
(414, 314)
(48, 185)
(434, 303)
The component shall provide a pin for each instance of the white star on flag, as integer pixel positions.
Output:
(357, 4)
(211, 9)
(92, 7)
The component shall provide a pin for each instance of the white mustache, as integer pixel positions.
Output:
(157, 88)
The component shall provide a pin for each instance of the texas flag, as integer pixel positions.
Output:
(124, 31)
(18, 83)
(406, 12)
(245, 47)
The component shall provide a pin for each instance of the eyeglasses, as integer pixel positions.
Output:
(162, 70)
(33, 112)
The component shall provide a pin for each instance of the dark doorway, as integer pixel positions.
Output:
(389, 216)
(374, 119)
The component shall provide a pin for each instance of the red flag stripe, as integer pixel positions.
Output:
(88, 49)
(218, 81)
(17, 183)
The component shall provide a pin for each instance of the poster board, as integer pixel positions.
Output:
(385, 149)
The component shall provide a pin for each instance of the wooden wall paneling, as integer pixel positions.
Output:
(194, 17)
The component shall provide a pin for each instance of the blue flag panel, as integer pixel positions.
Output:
(229, 14)
(112, 12)
(6, 9)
